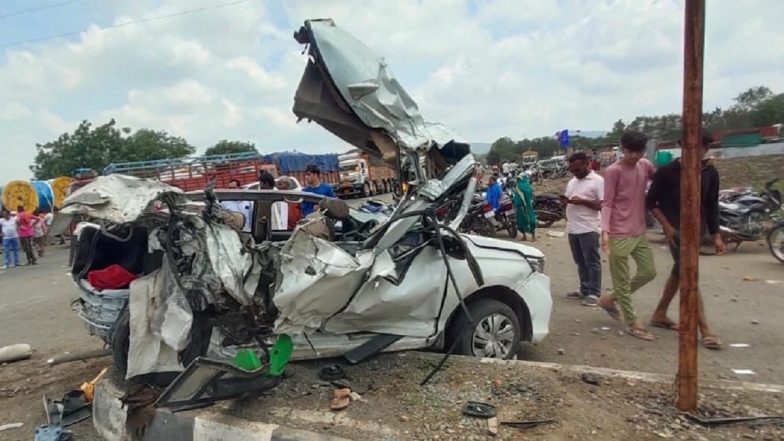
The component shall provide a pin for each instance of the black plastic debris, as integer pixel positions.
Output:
(479, 410)
(332, 373)
(526, 424)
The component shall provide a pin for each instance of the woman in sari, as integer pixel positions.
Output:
(523, 198)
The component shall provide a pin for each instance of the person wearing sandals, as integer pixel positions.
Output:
(664, 201)
(623, 231)
(583, 201)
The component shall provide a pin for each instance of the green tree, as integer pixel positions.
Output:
(96, 147)
(225, 147)
(753, 97)
(504, 147)
(769, 111)
(493, 158)
(149, 145)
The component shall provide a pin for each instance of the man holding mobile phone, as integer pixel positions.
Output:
(583, 201)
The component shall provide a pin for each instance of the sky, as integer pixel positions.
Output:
(486, 68)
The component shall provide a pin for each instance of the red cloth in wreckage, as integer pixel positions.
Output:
(111, 277)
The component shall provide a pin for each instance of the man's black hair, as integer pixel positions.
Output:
(634, 141)
(235, 180)
(313, 168)
(266, 177)
(578, 156)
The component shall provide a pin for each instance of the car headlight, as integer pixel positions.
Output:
(537, 263)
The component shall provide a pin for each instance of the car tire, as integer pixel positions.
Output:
(120, 345)
(486, 314)
(366, 192)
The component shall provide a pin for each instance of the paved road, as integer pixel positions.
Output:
(739, 311)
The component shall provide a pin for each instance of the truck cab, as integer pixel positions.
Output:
(360, 178)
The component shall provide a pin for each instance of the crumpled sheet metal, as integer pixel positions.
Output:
(116, 198)
(434, 188)
(409, 309)
(160, 323)
(316, 280)
(232, 263)
(366, 83)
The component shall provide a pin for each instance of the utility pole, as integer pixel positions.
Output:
(691, 157)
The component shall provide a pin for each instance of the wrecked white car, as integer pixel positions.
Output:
(165, 277)
(191, 285)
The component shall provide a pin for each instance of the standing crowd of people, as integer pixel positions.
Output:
(284, 215)
(24, 230)
(609, 213)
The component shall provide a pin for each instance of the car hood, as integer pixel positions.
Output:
(505, 245)
(348, 89)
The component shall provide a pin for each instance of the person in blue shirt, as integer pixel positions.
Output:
(314, 185)
(493, 194)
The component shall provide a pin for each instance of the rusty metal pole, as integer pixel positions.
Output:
(690, 203)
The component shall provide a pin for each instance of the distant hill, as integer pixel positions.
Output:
(480, 148)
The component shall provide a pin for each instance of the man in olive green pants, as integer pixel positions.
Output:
(620, 250)
(623, 230)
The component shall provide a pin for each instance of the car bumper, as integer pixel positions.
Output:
(535, 290)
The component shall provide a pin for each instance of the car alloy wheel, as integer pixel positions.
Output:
(494, 337)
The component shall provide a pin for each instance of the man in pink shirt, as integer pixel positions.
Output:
(623, 230)
(25, 225)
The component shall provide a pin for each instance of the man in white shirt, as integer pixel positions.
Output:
(583, 199)
(243, 207)
(10, 239)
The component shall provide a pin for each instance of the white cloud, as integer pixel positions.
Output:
(488, 68)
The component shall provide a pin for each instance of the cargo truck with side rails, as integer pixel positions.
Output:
(363, 176)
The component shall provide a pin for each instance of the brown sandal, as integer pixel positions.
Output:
(711, 342)
(642, 334)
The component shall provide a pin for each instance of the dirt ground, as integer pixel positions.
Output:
(393, 399)
(742, 291)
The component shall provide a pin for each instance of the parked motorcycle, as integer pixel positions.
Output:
(549, 209)
(776, 241)
(480, 218)
(505, 219)
(749, 216)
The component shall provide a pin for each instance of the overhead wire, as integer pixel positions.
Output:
(127, 23)
(37, 8)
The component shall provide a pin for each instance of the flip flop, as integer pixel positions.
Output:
(642, 334)
(670, 326)
(711, 342)
(341, 400)
(339, 403)
(574, 295)
(611, 310)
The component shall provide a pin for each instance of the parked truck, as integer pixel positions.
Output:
(362, 175)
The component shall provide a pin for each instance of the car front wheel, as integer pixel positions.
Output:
(495, 332)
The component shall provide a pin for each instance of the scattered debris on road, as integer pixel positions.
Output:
(68, 357)
(11, 426)
(17, 352)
